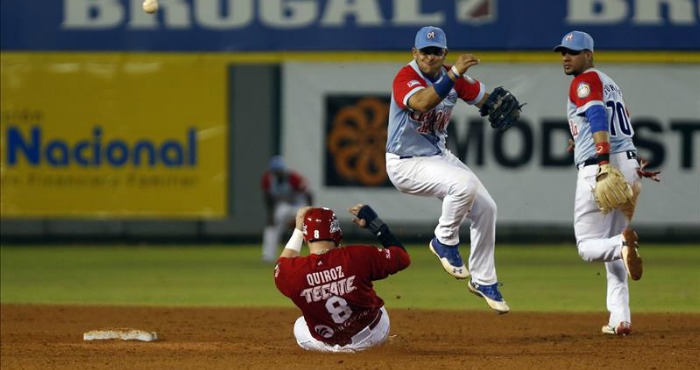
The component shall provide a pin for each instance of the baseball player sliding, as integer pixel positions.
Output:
(424, 93)
(332, 286)
(607, 162)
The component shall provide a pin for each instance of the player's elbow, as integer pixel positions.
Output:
(423, 101)
(404, 260)
(420, 108)
(423, 106)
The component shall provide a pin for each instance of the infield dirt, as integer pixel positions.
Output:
(51, 337)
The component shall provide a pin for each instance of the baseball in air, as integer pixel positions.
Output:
(150, 6)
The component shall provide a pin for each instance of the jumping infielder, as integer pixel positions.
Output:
(600, 125)
(424, 94)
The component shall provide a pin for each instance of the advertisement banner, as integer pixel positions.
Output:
(113, 136)
(356, 132)
(527, 169)
(342, 25)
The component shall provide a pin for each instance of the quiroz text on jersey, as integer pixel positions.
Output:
(333, 283)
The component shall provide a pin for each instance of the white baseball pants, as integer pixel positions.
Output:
(366, 338)
(285, 213)
(598, 235)
(463, 196)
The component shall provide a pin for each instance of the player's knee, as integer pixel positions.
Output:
(583, 253)
(463, 190)
(484, 205)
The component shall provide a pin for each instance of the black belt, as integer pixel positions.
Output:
(374, 322)
(405, 156)
(631, 154)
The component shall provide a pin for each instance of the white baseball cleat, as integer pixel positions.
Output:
(450, 258)
(491, 295)
(623, 328)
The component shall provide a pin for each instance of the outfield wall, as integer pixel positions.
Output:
(214, 122)
(116, 124)
(527, 169)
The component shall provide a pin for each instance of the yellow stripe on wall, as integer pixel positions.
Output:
(635, 57)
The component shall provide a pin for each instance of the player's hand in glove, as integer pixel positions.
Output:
(366, 217)
(611, 189)
(502, 108)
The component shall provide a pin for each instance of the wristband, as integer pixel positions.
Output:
(455, 72)
(602, 152)
(375, 226)
(443, 86)
(387, 238)
(295, 241)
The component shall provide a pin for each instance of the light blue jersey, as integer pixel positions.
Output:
(415, 134)
(590, 88)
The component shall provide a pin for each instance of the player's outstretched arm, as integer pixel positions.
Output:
(427, 99)
(501, 107)
(366, 217)
(293, 247)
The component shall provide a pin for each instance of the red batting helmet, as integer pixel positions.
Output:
(321, 224)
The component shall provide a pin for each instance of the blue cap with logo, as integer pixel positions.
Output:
(277, 163)
(431, 36)
(576, 41)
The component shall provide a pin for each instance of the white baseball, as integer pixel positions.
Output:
(150, 6)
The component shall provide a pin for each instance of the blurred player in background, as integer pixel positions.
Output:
(424, 93)
(284, 191)
(602, 132)
(332, 286)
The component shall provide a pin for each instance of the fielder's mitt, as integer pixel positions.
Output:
(611, 189)
(502, 108)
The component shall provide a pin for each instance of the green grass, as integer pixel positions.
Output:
(535, 278)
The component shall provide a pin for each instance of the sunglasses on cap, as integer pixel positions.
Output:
(433, 50)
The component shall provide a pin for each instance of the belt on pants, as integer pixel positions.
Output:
(400, 156)
(374, 322)
(411, 156)
(631, 154)
(367, 331)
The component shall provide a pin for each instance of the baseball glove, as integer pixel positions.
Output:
(611, 189)
(502, 108)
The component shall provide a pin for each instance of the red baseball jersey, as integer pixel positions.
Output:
(334, 290)
(286, 188)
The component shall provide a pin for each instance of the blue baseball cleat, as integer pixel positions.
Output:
(450, 258)
(491, 294)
